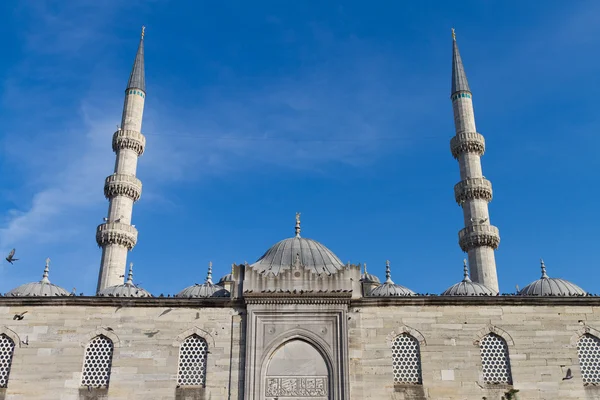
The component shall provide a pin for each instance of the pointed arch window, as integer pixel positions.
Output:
(7, 348)
(495, 361)
(588, 351)
(97, 362)
(406, 360)
(193, 355)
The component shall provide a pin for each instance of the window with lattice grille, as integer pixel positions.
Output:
(192, 362)
(7, 347)
(494, 360)
(588, 350)
(406, 359)
(97, 362)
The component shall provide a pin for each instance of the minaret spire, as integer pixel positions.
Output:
(473, 193)
(117, 236)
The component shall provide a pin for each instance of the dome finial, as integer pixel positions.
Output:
(130, 275)
(453, 34)
(365, 267)
(388, 273)
(297, 224)
(209, 276)
(466, 277)
(544, 274)
(46, 270)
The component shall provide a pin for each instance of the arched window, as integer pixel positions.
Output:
(7, 348)
(97, 362)
(588, 350)
(192, 362)
(494, 360)
(406, 359)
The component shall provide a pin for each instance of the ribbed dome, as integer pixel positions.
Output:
(127, 289)
(467, 287)
(41, 288)
(546, 286)
(207, 289)
(389, 288)
(367, 277)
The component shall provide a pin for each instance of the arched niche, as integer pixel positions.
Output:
(297, 370)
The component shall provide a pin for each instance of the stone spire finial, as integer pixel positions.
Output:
(453, 34)
(544, 275)
(388, 273)
(130, 275)
(144, 31)
(297, 224)
(46, 270)
(209, 275)
(466, 271)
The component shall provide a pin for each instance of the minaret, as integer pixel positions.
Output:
(117, 236)
(473, 193)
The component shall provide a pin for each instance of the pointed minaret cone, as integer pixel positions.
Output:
(479, 238)
(117, 236)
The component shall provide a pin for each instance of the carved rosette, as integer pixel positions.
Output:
(128, 139)
(467, 142)
(122, 185)
(473, 188)
(116, 233)
(478, 236)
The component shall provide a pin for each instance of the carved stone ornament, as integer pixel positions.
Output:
(473, 188)
(467, 142)
(116, 233)
(122, 185)
(478, 236)
(292, 386)
(128, 139)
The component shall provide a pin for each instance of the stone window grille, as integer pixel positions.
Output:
(193, 354)
(494, 360)
(7, 348)
(588, 350)
(406, 360)
(97, 362)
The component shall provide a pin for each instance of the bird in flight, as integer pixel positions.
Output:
(19, 317)
(11, 256)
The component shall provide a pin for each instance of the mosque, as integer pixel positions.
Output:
(298, 323)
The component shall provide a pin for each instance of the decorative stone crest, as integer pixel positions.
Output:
(116, 233)
(128, 139)
(477, 236)
(467, 142)
(473, 188)
(122, 185)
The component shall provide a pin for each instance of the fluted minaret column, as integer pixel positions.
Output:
(117, 236)
(473, 193)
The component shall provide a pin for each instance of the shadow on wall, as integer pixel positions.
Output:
(409, 392)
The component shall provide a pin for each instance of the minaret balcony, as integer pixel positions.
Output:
(116, 233)
(128, 139)
(122, 185)
(473, 188)
(467, 142)
(478, 236)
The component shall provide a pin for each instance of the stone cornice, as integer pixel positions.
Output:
(96, 301)
(477, 236)
(116, 233)
(473, 188)
(299, 297)
(128, 139)
(122, 185)
(475, 301)
(467, 142)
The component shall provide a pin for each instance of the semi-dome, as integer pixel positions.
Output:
(41, 288)
(127, 289)
(207, 289)
(467, 287)
(367, 277)
(546, 286)
(389, 288)
(306, 253)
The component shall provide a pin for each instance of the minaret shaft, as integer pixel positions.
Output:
(479, 238)
(117, 236)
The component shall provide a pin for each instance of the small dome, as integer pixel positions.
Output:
(127, 289)
(467, 287)
(41, 288)
(546, 286)
(308, 253)
(228, 277)
(367, 277)
(389, 288)
(207, 289)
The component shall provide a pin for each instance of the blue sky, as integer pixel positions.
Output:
(339, 110)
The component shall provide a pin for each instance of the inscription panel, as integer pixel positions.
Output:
(294, 386)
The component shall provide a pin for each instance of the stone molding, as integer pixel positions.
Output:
(129, 139)
(14, 336)
(104, 332)
(408, 330)
(495, 330)
(210, 340)
(473, 188)
(467, 142)
(297, 300)
(477, 236)
(586, 329)
(116, 233)
(122, 185)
